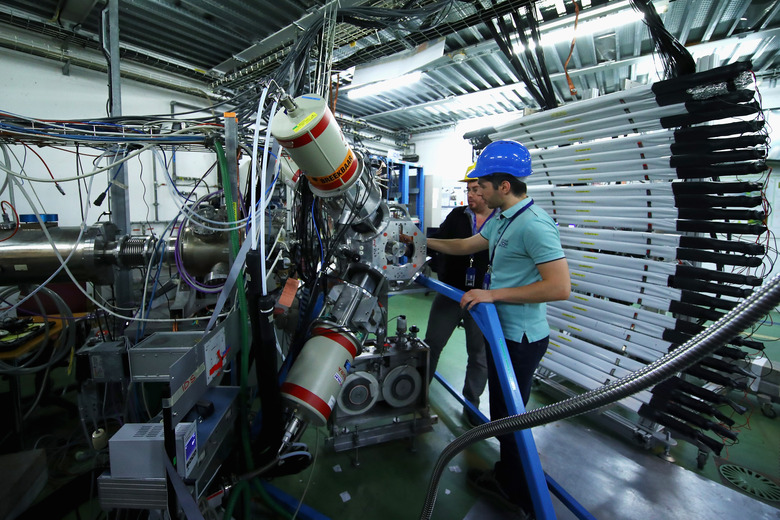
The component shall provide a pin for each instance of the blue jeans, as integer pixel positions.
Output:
(525, 357)
(444, 317)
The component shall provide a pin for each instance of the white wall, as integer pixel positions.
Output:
(36, 87)
(445, 155)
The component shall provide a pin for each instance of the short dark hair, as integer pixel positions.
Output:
(517, 186)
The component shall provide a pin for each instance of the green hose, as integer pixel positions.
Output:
(232, 216)
(242, 487)
(239, 488)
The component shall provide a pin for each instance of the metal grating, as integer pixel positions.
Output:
(750, 482)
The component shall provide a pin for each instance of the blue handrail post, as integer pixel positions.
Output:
(487, 319)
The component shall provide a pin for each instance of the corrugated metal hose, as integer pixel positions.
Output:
(745, 315)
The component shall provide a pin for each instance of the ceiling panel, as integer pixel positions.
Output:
(235, 45)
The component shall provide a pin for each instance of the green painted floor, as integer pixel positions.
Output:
(389, 480)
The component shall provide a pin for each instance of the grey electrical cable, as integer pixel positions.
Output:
(7, 180)
(745, 315)
(29, 361)
(65, 342)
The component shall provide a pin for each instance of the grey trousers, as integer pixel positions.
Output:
(444, 317)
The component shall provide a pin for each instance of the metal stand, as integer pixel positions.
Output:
(487, 319)
(119, 197)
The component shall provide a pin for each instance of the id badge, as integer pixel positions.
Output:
(486, 281)
(471, 275)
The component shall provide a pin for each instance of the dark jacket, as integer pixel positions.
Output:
(451, 269)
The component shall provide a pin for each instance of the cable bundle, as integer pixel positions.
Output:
(675, 57)
(532, 69)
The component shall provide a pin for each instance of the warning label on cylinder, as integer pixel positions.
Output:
(308, 119)
(340, 176)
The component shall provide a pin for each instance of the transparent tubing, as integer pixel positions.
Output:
(746, 314)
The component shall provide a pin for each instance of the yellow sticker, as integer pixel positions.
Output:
(304, 122)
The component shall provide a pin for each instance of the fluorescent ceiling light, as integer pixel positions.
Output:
(383, 86)
(586, 28)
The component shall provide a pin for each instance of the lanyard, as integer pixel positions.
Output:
(486, 282)
(475, 230)
(471, 271)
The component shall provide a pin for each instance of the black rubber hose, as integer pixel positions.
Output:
(264, 354)
(746, 314)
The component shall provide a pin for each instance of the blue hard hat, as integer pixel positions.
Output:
(503, 157)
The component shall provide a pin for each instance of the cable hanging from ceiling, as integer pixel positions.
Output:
(295, 64)
(676, 59)
(532, 69)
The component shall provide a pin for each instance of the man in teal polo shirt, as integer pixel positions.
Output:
(526, 268)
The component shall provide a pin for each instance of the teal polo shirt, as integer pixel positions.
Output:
(531, 238)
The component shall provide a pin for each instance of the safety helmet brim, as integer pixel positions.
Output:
(503, 156)
(468, 172)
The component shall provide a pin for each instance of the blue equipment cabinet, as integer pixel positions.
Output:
(406, 185)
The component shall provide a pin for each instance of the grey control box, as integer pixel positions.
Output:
(137, 450)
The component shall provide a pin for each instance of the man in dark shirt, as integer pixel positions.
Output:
(527, 269)
(461, 272)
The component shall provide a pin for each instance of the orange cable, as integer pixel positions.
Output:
(572, 88)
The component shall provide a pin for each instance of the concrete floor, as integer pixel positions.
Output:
(609, 477)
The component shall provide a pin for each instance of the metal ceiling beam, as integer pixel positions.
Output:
(560, 78)
(186, 26)
(488, 47)
(445, 29)
(465, 97)
(714, 20)
(771, 15)
(239, 16)
(78, 36)
(277, 39)
(36, 45)
(686, 24)
(738, 17)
